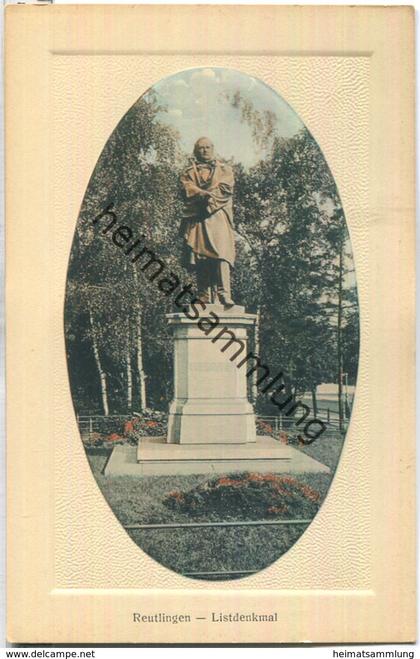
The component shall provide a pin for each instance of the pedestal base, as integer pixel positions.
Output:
(157, 457)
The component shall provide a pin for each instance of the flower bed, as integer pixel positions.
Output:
(264, 428)
(151, 423)
(248, 496)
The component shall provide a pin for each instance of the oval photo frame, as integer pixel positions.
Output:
(212, 324)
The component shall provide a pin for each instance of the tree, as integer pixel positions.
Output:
(137, 172)
(290, 220)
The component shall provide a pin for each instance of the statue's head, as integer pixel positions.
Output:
(204, 149)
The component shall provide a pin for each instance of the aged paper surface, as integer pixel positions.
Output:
(71, 73)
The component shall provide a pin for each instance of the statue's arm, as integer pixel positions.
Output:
(226, 183)
(190, 188)
(226, 189)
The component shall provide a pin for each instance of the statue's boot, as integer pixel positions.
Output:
(226, 301)
(204, 296)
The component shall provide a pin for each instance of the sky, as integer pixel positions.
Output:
(196, 106)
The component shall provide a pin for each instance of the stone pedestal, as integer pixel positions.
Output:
(210, 404)
(158, 458)
(211, 427)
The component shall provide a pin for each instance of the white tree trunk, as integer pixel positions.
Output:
(102, 376)
(140, 370)
(139, 352)
(339, 339)
(128, 369)
(254, 386)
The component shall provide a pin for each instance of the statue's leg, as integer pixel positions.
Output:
(213, 279)
(223, 283)
(203, 280)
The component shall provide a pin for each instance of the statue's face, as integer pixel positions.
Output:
(204, 150)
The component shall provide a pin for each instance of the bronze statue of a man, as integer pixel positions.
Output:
(207, 228)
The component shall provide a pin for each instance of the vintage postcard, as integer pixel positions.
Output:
(210, 324)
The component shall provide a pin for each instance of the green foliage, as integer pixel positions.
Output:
(138, 173)
(292, 227)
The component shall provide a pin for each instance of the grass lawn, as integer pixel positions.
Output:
(325, 449)
(141, 501)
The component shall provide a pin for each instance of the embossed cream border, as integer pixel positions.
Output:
(72, 72)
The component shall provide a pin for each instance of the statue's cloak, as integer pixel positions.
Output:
(207, 225)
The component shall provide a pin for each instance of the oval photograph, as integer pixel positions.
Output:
(211, 323)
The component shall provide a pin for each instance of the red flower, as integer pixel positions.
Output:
(224, 481)
(128, 427)
(266, 426)
(277, 509)
(178, 496)
(283, 437)
(114, 437)
(289, 480)
(263, 477)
